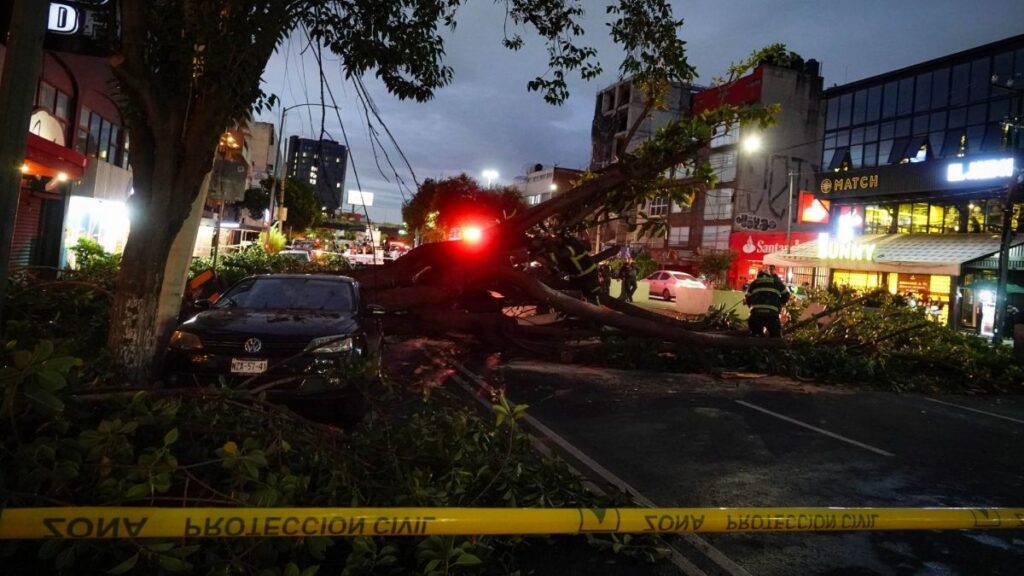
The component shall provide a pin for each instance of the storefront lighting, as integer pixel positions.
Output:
(62, 177)
(980, 170)
(24, 168)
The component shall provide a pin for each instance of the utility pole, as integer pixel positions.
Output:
(22, 64)
(1013, 193)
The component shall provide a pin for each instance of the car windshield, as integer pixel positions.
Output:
(681, 276)
(290, 294)
(296, 254)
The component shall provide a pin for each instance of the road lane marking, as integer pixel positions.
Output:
(969, 409)
(713, 554)
(816, 429)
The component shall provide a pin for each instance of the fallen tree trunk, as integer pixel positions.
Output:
(628, 323)
(443, 285)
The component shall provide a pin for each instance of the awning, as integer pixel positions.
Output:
(45, 158)
(908, 253)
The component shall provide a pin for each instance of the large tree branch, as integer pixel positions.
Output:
(628, 323)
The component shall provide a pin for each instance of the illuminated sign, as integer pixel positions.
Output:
(829, 249)
(360, 198)
(47, 126)
(812, 210)
(980, 170)
(63, 19)
(867, 182)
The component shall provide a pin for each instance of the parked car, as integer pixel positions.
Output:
(305, 330)
(300, 255)
(663, 283)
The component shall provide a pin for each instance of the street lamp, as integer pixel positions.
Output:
(490, 176)
(280, 136)
(753, 144)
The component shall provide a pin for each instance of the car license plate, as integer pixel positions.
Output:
(248, 366)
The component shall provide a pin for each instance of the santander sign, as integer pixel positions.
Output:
(760, 247)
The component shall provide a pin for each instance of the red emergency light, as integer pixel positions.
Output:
(472, 234)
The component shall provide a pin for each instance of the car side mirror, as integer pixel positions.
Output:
(375, 310)
(203, 303)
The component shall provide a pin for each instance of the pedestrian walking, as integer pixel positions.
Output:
(627, 275)
(766, 297)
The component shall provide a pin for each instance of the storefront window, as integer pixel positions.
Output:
(104, 221)
(877, 220)
(994, 216)
(975, 218)
(904, 218)
(935, 219)
(951, 220)
(919, 218)
(860, 281)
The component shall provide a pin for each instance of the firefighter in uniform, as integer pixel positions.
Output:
(765, 297)
(570, 257)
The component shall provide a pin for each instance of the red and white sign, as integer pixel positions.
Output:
(755, 245)
(752, 247)
(811, 210)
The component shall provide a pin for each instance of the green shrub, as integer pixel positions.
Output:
(71, 311)
(61, 442)
(881, 343)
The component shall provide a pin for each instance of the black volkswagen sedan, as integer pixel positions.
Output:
(302, 331)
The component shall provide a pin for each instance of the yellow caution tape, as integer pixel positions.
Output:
(114, 522)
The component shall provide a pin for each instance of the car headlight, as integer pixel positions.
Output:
(331, 345)
(185, 341)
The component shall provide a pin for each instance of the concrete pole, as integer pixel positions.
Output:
(22, 64)
(1012, 194)
(789, 214)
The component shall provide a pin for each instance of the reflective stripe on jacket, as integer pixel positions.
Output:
(766, 294)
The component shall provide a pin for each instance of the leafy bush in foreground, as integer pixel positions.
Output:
(62, 444)
(235, 266)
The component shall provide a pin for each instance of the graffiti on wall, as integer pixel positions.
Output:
(747, 221)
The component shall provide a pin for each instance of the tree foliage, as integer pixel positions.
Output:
(441, 205)
(256, 201)
(63, 440)
(302, 203)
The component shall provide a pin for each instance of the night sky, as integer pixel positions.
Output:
(487, 119)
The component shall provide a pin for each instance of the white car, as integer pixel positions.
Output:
(300, 255)
(664, 283)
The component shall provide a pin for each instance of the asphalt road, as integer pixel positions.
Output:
(688, 440)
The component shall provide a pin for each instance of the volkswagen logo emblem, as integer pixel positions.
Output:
(253, 345)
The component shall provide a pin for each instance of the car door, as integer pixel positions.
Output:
(655, 283)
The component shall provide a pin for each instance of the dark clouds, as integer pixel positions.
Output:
(487, 119)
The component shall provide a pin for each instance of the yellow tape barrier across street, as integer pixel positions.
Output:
(125, 522)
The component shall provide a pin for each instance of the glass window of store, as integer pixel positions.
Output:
(951, 220)
(860, 281)
(975, 217)
(877, 219)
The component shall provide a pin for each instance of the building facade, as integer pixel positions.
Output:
(751, 210)
(322, 164)
(543, 183)
(917, 164)
(262, 148)
(617, 108)
(75, 175)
